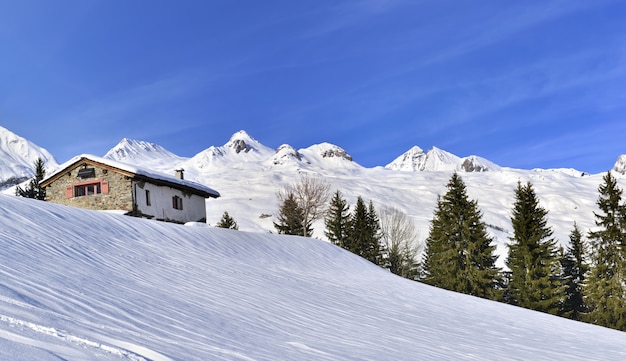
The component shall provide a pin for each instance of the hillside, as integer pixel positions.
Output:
(17, 156)
(248, 174)
(86, 285)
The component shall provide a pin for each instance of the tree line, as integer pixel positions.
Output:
(387, 239)
(585, 281)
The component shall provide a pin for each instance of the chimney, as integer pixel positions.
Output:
(179, 173)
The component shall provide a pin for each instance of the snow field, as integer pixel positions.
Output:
(85, 285)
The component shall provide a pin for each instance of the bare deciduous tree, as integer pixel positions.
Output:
(311, 195)
(400, 235)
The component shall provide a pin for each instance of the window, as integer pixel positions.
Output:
(177, 202)
(148, 198)
(86, 172)
(87, 189)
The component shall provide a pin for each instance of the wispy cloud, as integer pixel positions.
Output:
(345, 15)
(129, 112)
(116, 107)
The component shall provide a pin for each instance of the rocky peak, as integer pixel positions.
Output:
(286, 154)
(335, 152)
(477, 164)
(239, 145)
(620, 164)
(242, 142)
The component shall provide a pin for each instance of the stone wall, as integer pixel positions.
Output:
(119, 196)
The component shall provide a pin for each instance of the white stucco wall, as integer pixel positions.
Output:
(194, 206)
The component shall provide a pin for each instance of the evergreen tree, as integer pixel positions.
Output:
(363, 238)
(574, 271)
(605, 286)
(459, 252)
(290, 218)
(227, 222)
(337, 221)
(33, 189)
(375, 249)
(310, 194)
(535, 281)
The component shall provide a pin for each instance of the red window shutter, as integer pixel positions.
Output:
(69, 192)
(104, 187)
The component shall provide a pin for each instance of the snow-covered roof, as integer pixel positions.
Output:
(137, 171)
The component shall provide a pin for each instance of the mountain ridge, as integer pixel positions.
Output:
(248, 174)
(17, 157)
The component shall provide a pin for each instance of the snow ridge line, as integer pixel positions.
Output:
(51, 331)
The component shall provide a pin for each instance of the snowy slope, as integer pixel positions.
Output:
(248, 174)
(249, 195)
(124, 288)
(620, 164)
(240, 149)
(142, 153)
(17, 156)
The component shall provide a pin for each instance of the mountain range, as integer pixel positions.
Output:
(243, 148)
(248, 175)
(86, 285)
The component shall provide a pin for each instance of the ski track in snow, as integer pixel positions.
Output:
(63, 336)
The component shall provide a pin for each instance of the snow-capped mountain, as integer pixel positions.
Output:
(474, 163)
(248, 174)
(136, 289)
(620, 164)
(286, 155)
(242, 142)
(240, 148)
(130, 151)
(315, 157)
(415, 160)
(17, 156)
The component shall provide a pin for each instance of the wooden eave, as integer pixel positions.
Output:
(162, 182)
(137, 177)
(85, 161)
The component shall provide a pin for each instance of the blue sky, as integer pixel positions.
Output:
(524, 84)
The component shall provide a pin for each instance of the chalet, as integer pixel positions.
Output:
(92, 182)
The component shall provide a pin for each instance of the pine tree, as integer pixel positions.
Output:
(362, 238)
(33, 189)
(574, 271)
(290, 218)
(535, 278)
(227, 222)
(459, 252)
(337, 221)
(605, 288)
(310, 194)
(375, 249)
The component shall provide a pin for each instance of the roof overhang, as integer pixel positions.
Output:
(131, 172)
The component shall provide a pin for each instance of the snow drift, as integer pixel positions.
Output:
(85, 285)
